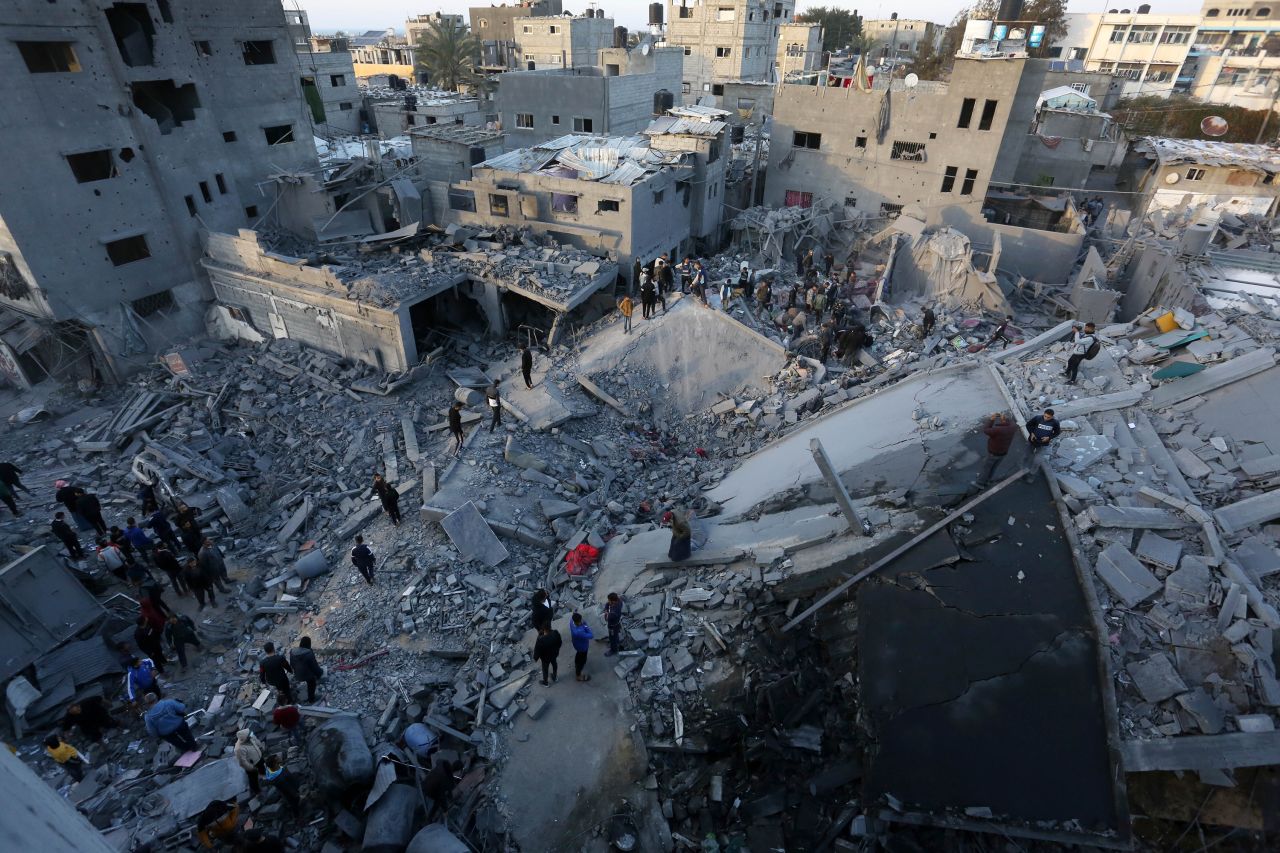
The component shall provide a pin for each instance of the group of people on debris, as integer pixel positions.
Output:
(546, 647)
(653, 282)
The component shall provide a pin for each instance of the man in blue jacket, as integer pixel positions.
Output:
(166, 719)
(580, 635)
(140, 679)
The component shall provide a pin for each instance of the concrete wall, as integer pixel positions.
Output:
(851, 164)
(1089, 143)
(747, 29)
(335, 77)
(1222, 188)
(901, 38)
(799, 49)
(392, 118)
(283, 297)
(58, 228)
(497, 22)
(37, 818)
(1039, 255)
(558, 42)
(747, 103)
(560, 102)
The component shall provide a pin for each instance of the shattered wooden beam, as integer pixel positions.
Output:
(902, 549)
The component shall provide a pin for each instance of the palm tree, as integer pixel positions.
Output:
(447, 55)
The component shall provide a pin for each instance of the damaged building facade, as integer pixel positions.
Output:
(99, 243)
(725, 41)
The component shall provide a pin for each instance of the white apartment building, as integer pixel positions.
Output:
(725, 41)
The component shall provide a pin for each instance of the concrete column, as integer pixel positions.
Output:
(856, 523)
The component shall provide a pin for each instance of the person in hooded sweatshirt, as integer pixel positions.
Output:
(546, 651)
(580, 636)
(249, 755)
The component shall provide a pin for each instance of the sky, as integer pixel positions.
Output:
(360, 15)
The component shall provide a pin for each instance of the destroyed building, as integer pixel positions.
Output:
(328, 80)
(631, 198)
(1207, 175)
(615, 94)
(723, 41)
(402, 110)
(99, 251)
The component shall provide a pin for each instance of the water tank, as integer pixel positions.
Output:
(619, 36)
(477, 154)
(655, 14)
(410, 102)
(1010, 10)
(591, 13)
(738, 133)
(1144, 9)
(893, 16)
(1195, 240)
(663, 101)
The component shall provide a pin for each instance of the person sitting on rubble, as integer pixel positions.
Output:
(65, 756)
(681, 546)
(91, 717)
(217, 821)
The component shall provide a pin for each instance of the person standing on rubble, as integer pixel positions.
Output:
(1084, 346)
(666, 281)
(492, 397)
(389, 496)
(362, 558)
(181, 632)
(799, 263)
(546, 651)
(613, 621)
(274, 670)
(69, 496)
(1000, 432)
(305, 666)
(686, 274)
(1001, 334)
(541, 614)
(11, 476)
(90, 507)
(166, 719)
(214, 564)
(66, 535)
(1042, 429)
(648, 296)
(455, 426)
(148, 638)
(138, 539)
(288, 718)
(699, 284)
(275, 774)
(110, 555)
(636, 270)
(91, 717)
(6, 495)
(927, 321)
(147, 498)
(828, 262)
(167, 563)
(626, 308)
(162, 529)
(198, 583)
(526, 365)
(249, 754)
(744, 280)
(580, 637)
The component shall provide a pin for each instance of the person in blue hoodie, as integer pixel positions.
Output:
(580, 635)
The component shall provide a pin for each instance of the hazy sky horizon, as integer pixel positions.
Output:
(360, 15)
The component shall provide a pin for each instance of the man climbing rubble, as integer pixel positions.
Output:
(1001, 334)
(1085, 345)
(274, 671)
(495, 406)
(455, 427)
(362, 558)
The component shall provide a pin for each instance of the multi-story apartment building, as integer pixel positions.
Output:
(181, 112)
(725, 41)
(382, 52)
(1229, 53)
(328, 78)
(494, 27)
(799, 49)
(899, 39)
(561, 42)
(414, 27)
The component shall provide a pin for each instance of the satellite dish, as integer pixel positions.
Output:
(1214, 126)
(1172, 178)
(911, 80)
(645, 47)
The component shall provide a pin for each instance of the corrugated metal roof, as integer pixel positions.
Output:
(684, 127)
(619, 160)
(85, 660)
(1205, 152)
(697, 111)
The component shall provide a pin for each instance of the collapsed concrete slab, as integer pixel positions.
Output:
(1209, 379)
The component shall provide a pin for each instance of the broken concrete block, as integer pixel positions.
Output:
(505, 695)
(1255, 723)
(472, 536)
(1133, 517)
(1081, 451)
(1191, 465)
(1249, 512)
(1158, 551)
(1232, 606)
(1075, 487)
(521, 458)
(1189, 585)
(1208, 716)
(553, 509)
(652, 667)
(536, 706)
(1127, 578)
(681, 660)
(1155, 678)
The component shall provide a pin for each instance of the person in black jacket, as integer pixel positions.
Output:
(305, 666)
(181, 632)
(90, 507)
(11, 476)
(526, 365)
(362, 559)
(274, 671)
(1042, 429)
(389, 496)
(63, 531)
(542, 615)
(455, 427)
(168, 563)
(547, 650)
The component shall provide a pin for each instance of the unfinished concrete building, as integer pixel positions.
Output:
(328, 80)
(725, 41)
(182, 110)
(899, 39)
(561, 41)
(400, 111)
(613, 96)
(799, 49)
(932, 146)
(628, 198)
(445, 153)
(494, 28)
(415, 26)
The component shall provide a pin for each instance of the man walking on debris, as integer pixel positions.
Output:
(626, 308)
(148, 638)
(138, 538)
(249, 754)
(305, 666)
(546, 650)
(526, 365)
(362, 559)
(613, 619)
(274, 671)
(65, 756)
(1042, 429)
(140, 678)
(278, 777)
(181, 632)
(495, 405)
(541, 615)
(1001, 334)
(1000, 432)
(214, 565)
(686, 273)
(700, 281)
(198, 583)
(455, 427)
(167, 563)
(289, 718)
(1084, 346)
(66, 535)
(166, 719)
(927, 322)
(89, 506)
(6, 495)
(666, 281)
(580, 636)
(11, 476)
(389, 496)
(162, 529)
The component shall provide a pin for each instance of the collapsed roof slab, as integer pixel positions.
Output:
(874, 438)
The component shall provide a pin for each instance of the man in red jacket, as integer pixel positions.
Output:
(1000, 432)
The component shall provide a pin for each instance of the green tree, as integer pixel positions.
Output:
(929, 62)
(1179, 116)
(447, 56)
(840, 27)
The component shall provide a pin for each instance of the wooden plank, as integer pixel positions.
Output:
(1202, 752)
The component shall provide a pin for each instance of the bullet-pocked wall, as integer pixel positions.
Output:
(130, 126)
